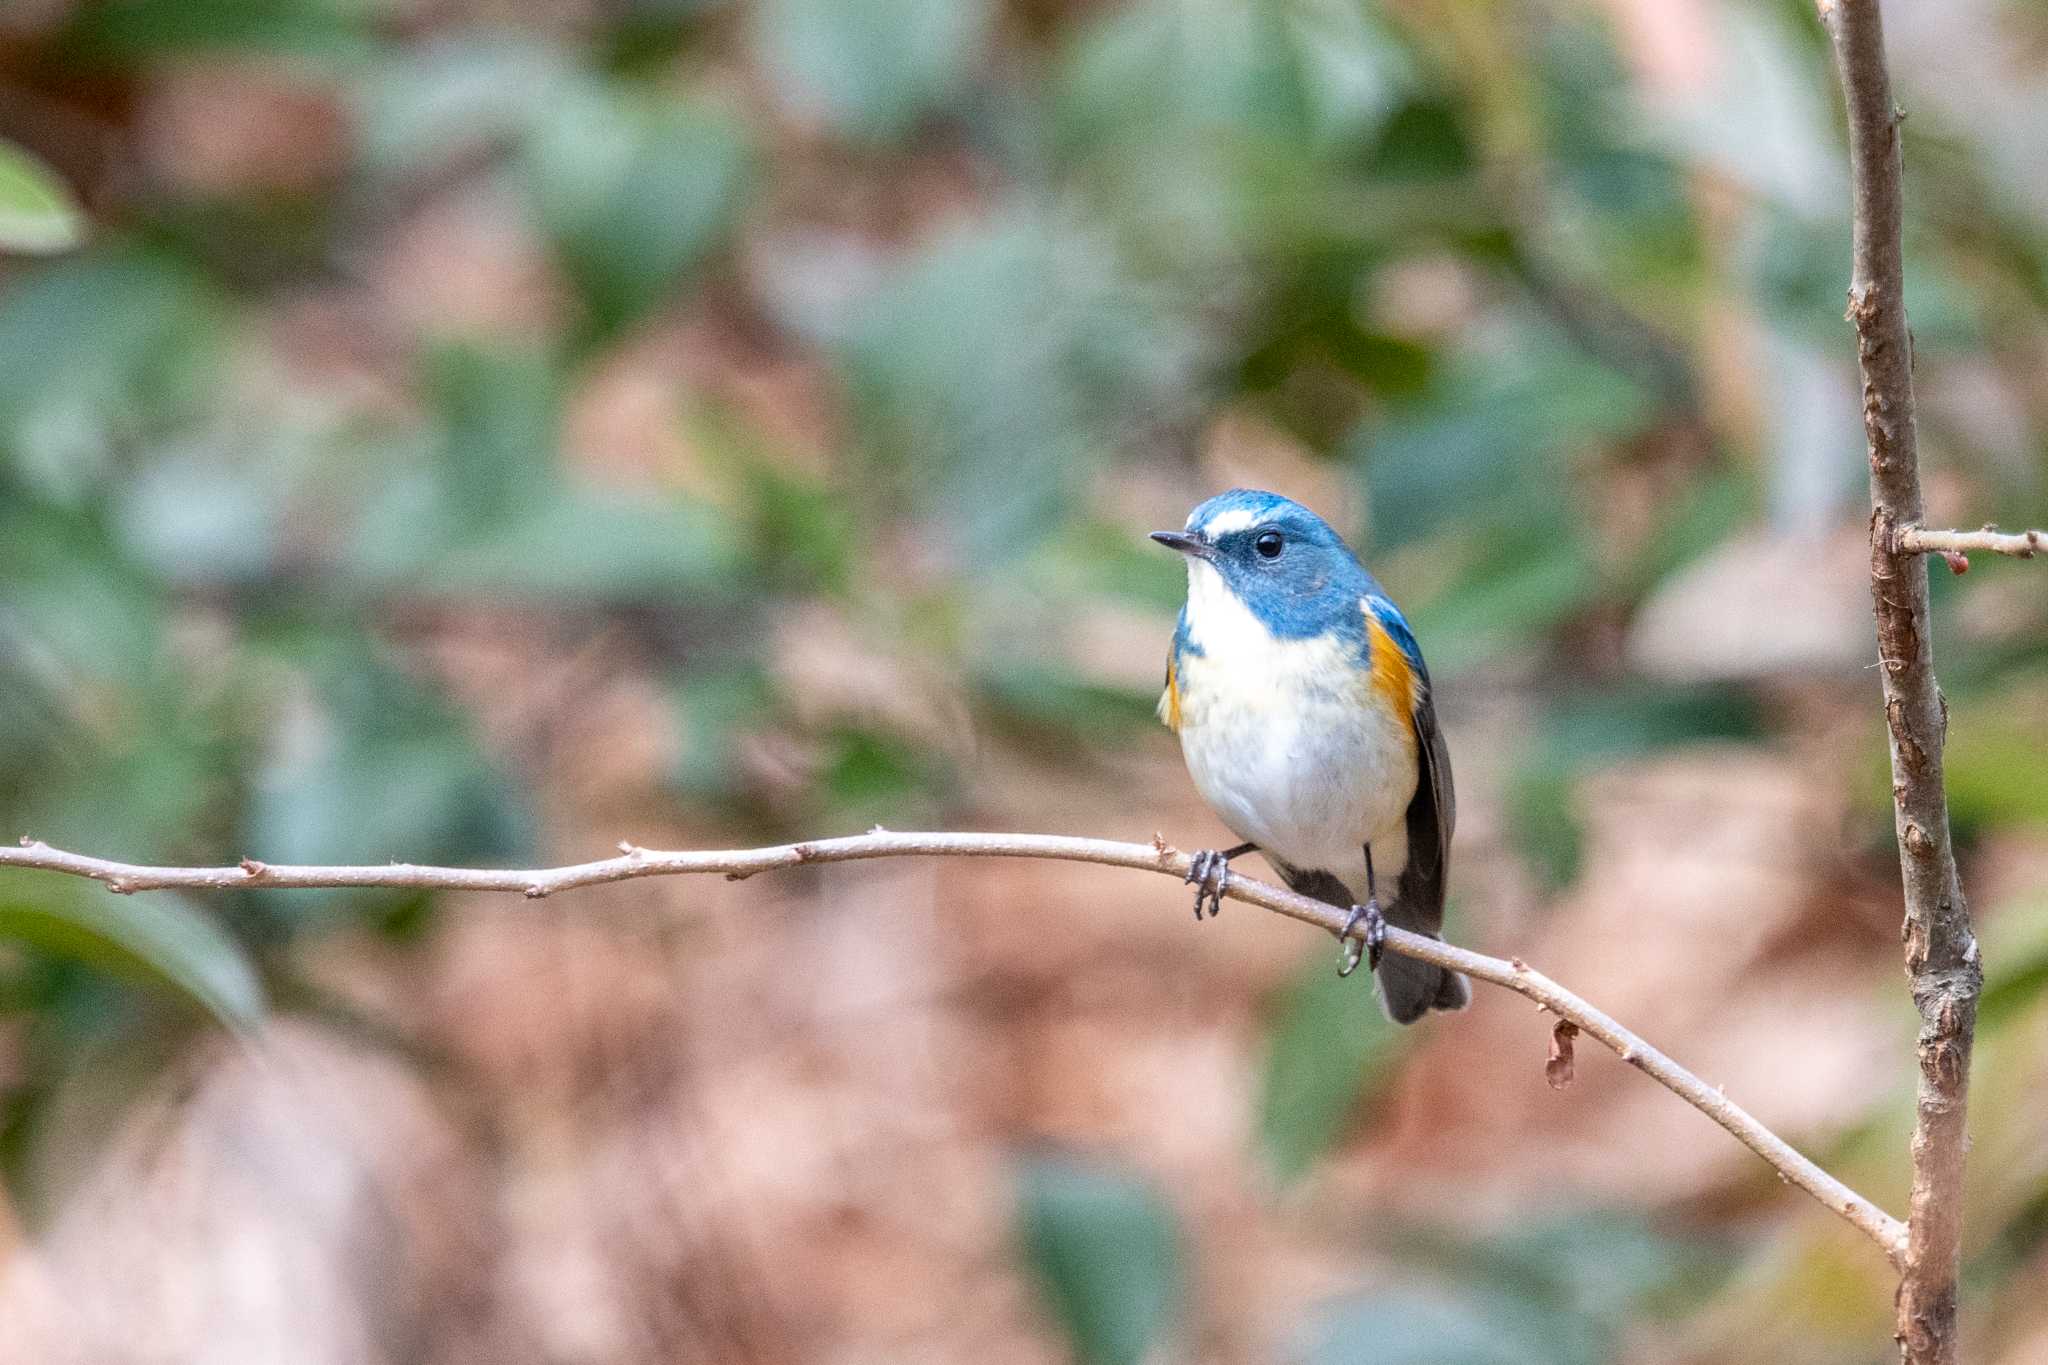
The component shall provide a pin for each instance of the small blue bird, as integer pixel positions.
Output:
(1304, 713)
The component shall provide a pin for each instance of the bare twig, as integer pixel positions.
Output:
(1157, 856)
(1941, 950)
(1918, 540)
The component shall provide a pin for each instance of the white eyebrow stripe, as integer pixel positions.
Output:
(1236, 519)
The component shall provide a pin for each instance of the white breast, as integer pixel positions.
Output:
(1284, 739)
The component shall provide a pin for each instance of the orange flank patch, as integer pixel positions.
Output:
(1393, 677)
(1169, 700)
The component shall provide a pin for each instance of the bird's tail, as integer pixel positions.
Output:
(1409, 989)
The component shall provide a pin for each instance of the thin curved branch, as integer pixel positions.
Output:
(1158, 856)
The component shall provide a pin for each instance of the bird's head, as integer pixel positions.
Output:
(1281, 561)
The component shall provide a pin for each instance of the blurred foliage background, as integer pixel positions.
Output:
(481, 430)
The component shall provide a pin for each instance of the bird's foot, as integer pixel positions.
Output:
(1209, 873)
(1375, 937)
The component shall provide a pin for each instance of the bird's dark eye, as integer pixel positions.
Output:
(1268, 545)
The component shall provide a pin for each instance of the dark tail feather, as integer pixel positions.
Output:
(1410, 989)
(1407, 989)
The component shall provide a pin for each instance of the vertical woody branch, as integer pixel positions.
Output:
(1941, 951)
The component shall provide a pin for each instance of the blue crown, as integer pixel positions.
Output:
(1293, 573)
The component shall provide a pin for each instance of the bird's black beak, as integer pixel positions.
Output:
(1185, 543)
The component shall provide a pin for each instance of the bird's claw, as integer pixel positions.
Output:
(1375, 937)
(1208, 873)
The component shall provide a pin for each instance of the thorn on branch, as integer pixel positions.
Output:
(254, 868)
(535, 891)
(1557, 1070)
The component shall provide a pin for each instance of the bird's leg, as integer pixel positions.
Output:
(1375, 926)
(1208, 871)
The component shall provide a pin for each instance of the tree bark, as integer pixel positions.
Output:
(1942, 960)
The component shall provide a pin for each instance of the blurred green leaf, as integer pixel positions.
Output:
(645, 36)
(872, 69)
(1548, 1289)
(2016, 970)
(1048, 699)
(1529, 576)
(1317, 318)
(992, 374)
(126, 30)
(2016, 1243)
(1691, 523)
(76, 615)
(500, 411)
(1305, 72)
(594, 545)
(197, 518)
(714, 708)
(426, 104)
(1425, 139)
(1092, 555)
(1408, 1327)
(1221, 140)
(1329, 1049)
(869, 775)
(37, 212)
(495, 514)
(1600, 1263)
(635, 188)
(370, 766)
(799, 529)
(95, 1046)
(158, 938)
(802, 535)
(1103, 1247)
(1599, 728)
(1501, 446)
(1497, 431)
(104, 727)
(1617, 212)
(158, 776)
(1997, 749)
(104, 350)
